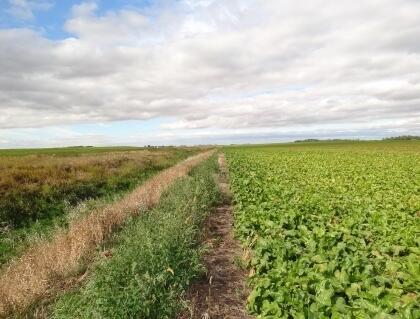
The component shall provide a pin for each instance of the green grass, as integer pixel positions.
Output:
(35, 197)
(13, 242)
(67, 151)
(154, 259)
(333, 227)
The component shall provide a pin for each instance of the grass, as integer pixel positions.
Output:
(14, 242)
(37, 192)
(47, 265)
(67, 151)
(154, 258)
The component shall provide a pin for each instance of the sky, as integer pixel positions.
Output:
(162, 72)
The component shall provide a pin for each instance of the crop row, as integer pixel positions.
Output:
(333, 233)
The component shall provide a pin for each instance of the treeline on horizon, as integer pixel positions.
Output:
(393, 138)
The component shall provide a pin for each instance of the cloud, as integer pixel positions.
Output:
(221, 65)
(23, 9)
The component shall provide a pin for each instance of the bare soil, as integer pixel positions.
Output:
(222, 292)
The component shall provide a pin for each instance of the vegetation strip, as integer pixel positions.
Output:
(38, 191)
(222, 292)
(155, 258)
(333, 232)
(44, 265)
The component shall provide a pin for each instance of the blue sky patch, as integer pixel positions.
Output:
(49, 17)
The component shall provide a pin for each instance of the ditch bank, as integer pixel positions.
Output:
(45, 265)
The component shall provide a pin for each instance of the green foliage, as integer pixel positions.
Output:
(39, 188)
(402, 138)
(66, 151)
(36, 192)
(334, 232)
(154, 260)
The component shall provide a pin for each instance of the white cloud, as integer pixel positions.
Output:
(214, 65)
(23, 9)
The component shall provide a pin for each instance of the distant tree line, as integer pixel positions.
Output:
(393, 138)
(78, 146)
(327, 140)
(307, 140)
(402, 137)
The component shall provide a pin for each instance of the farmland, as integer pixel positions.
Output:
(332, 228)
(67, 151)
(121, 233)
(328, 230)
(38, 188)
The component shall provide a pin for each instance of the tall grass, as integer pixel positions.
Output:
(155, 257)
(71, 150)
(38, 187)
(37, 192)
(45, 265)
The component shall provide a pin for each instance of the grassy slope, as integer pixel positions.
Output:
(49, 205)
(154, 258)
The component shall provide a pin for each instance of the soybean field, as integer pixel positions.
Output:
(332, 229)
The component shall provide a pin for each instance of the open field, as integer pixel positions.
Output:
(37, 191)
(209, 159)
(410, 146)
(332, 228)
(328, 230)
(67, 151)
(48, 265)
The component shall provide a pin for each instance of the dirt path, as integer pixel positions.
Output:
(223, 293)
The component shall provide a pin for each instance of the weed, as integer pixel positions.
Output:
(47, 264)
(155, 259)
(36, 193)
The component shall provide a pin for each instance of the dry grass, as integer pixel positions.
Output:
(43, 266)
(34, 187)
(53, 171)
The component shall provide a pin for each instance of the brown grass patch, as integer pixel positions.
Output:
(46, 264)
(54, 171)
(34, 187)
